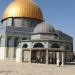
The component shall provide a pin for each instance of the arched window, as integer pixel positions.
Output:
(38, 45)
(24, 46)
(55, 46)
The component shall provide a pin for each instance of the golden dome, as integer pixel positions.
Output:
(23, 8)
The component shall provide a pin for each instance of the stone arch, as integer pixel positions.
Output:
(38, 45)
(25, 45)
(55, 45)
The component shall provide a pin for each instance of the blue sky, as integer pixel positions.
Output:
(59, 13)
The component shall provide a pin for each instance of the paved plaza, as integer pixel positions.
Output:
(12, 68)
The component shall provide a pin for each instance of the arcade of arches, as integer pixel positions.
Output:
(41, 55)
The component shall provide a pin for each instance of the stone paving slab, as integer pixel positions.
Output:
(12, 68)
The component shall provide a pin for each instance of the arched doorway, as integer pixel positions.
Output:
(38, 55)
(52, 55)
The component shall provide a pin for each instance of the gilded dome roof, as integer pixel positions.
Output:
(44, 28)
(23, 8)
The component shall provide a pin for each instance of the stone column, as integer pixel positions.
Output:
(58, 59)
(62, 58)
(47, 56)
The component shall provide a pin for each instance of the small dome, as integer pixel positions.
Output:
(23, 8)
(44, 28)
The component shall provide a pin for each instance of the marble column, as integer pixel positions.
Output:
(58, 58)
(46, 56)
(62, 58)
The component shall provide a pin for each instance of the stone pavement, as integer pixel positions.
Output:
(10, 67)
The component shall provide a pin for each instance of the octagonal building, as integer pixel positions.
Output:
(26, 37)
